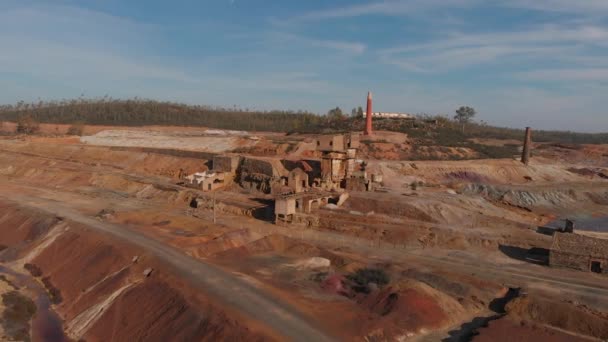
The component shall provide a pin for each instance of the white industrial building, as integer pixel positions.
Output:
(404, 116)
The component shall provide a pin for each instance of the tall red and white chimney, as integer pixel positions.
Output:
(368, 118)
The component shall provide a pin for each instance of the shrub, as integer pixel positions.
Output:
(27, 125)
(76, 129)
(54, 293)
(17, 314)
(34, 270)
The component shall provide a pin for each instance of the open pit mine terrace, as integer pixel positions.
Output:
(182, 235)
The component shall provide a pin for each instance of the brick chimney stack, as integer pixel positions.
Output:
(368, 118)
(525, 154)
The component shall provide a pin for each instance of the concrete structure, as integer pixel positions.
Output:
(297, 180)
(525, 155)
(226, 163)
(353, 141)
(337, 159)
(223, 173)
(567, 228)
(261, 174)
(284, 209)
(339, 143)
(579, 252)
(360, 181)
(209, 180)
(401, 116)
(339, 167)
(368, 118)
(331, 143)
(300, 207)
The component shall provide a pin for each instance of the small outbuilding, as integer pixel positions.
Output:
(297, 180)
(331, 143)
(579, 252)
(284, 209)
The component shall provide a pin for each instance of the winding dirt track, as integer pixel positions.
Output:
(224, 286)
(282, 318)
(531, 277)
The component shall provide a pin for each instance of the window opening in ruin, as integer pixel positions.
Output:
(331, 143)
(596, 267)
(303, 183)
(209, 186)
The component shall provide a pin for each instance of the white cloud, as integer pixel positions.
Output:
(355, 48)
(458, 50)
(414, 7)
(63, 51)
(50, 60)
(576, 74)
(73, 43)
(97, 53)
(592, 7)
(272, 39)
(387, 7)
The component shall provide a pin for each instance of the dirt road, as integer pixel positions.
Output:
(220, 284)
(588, 287)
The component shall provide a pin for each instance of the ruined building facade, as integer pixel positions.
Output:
(579, 252)
(222, 174)
(338, 163)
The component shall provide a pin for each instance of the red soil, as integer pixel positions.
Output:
(18, 225)
(155, 311)
(334, 284)
(563, 315)
(272, 243)
(86, 267)
(133, 161)
(397, 312)
(75, 262)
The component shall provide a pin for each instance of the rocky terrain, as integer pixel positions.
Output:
(102, 227)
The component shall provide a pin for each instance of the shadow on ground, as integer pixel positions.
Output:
(469, 329)
(538, 256)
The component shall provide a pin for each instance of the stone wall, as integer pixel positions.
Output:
(577, 262)
(225, 163)
(257, 166)
(356, 184)
(331, 143)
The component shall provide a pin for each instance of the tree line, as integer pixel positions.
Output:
(137, 112)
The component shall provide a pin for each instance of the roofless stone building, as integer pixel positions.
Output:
(579, 252)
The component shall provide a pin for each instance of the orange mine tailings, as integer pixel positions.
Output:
(368, 118)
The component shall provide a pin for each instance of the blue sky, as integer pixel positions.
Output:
(540, 63)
